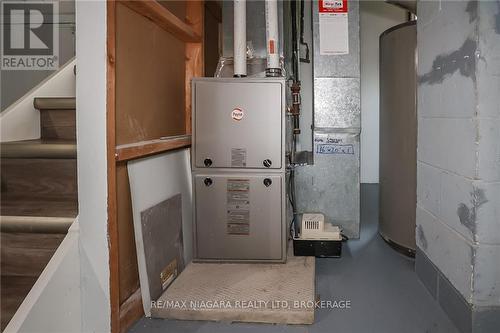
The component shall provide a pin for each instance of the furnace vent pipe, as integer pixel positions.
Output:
(240, 38)
(272, 39)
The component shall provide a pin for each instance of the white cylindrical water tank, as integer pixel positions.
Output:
(398, 136)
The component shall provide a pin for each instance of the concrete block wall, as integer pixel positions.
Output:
(458, 158)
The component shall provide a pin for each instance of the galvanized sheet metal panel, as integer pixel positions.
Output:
(331, 185)
(163, 246)
(340, 65)
(337, 103)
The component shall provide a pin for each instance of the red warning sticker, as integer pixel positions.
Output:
(333, 6)
(272, 48)
(333, 27)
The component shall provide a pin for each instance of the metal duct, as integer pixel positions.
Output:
(331, 185)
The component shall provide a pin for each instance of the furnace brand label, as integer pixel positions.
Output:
(238, 207)
(237, 114)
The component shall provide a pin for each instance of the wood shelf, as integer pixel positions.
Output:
(164, 19)
(145, 148)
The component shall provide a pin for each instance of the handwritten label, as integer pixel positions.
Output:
(335, 149)
(328, 140)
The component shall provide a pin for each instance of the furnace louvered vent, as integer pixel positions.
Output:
(312, 225)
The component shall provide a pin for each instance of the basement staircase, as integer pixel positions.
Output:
(39, 200)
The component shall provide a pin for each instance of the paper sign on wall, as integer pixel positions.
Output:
(333, 27)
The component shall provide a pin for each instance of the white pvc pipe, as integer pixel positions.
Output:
(272, 35)
(240, 38)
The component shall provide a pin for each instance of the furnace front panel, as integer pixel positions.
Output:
(239, 216)
(238, 124)
(238, 164)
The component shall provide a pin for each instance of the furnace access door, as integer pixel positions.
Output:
(240, 216)
(238, 123)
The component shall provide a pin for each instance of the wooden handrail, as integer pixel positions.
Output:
(36, 224)
(145, 148)
(162, 17)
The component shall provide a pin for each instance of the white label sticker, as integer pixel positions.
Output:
(238, 207)
(333, 27)
(237, 114)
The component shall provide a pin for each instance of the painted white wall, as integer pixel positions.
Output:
(92, 164)
(53, 304)
(21, 121)
(375, 18)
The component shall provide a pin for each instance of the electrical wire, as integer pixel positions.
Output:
(291, 198)
(301, 39)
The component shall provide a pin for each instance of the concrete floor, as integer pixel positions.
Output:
(381, 285)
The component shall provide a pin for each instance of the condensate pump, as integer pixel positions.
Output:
(317, 238)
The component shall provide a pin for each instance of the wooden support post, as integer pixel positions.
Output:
(194, 52)
(114, 279)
